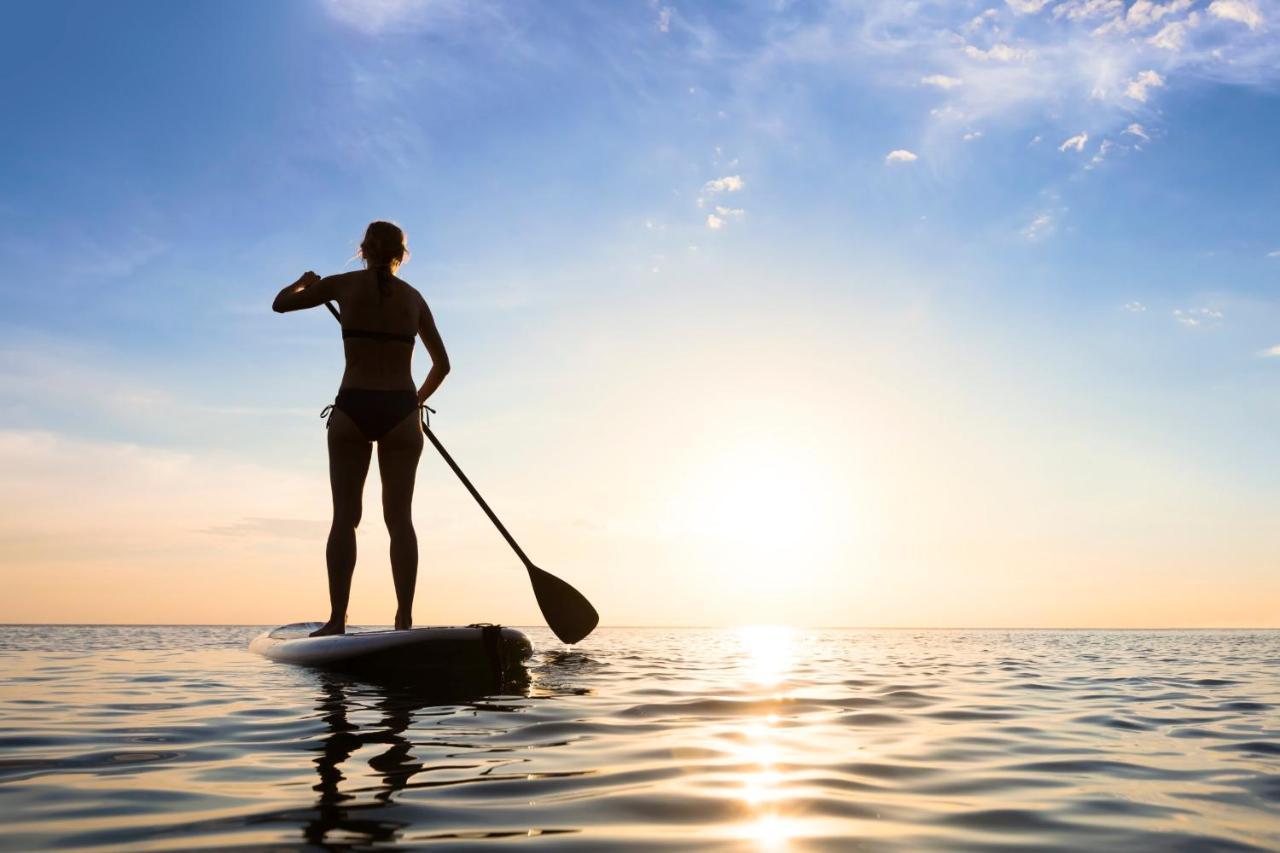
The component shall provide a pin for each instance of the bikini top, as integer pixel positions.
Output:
(384, 290)
(377, 336)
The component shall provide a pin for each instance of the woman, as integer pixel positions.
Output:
(376, 402)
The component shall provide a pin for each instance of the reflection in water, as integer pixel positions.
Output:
(339, 815)
(769, 651)
(769, 656)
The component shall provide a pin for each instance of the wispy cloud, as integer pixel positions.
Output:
(131, 497)
(1134, 307)
(1026, 7)
(900, 155)
(729, 183)
(376, 17)
(1197, 317)
(1075, 143)
(309, 530)
(1138, 86)
(1173, 35)
(999, 52)
(942, 81)
(1040, 226)
(722, 216)
(664, 19)
(1271, 352)
(1137, 130)
(1237, 10)
(1090, 62)
(1096, 160)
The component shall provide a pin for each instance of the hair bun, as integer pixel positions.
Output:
(383, 244)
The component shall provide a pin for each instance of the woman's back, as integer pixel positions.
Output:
(380, 317)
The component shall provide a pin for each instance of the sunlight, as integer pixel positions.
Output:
(769, 652)
(763, 504)
(772, 832)
(762, 494)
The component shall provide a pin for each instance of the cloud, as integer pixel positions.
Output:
(1076, 142)
(900, 155)
(1040, 226)
(722, 216)
(1087, 62)
(1173, 35)
(1138, 86)
(381, 16)
(1274, 254)
(1141, 15)
(942, 81)
(1101, 155)
(980, 20)
(1194, 317)
(1137, 130)
(1271, 352)
(1083, 10)
(134, 499)
(1026, 7)
(308, 530)
(999, 52)
(729, 183)
(972, 135)
(1236, 10)
(664, 19)
(1135, 307)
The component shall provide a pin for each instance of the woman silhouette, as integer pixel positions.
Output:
(376, 402)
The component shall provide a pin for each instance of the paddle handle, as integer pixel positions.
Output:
(515, 546)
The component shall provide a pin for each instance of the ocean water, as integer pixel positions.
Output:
(149, 738)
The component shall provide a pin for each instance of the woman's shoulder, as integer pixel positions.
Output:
(343, 278)
(413, 292)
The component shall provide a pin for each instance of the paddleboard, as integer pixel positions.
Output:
(481, 650)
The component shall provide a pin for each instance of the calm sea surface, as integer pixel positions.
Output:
(765, 739)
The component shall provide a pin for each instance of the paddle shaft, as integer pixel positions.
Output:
(453, 466)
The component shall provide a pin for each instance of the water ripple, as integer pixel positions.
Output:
(118, 738)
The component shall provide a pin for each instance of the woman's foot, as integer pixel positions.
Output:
(403, 621)
(333, 626)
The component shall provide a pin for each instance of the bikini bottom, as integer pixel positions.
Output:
(376, 412)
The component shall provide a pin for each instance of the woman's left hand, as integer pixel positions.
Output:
(301, 295)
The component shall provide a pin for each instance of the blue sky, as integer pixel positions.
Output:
(1010, 255)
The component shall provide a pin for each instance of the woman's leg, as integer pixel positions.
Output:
(398, 454)
(349, 453)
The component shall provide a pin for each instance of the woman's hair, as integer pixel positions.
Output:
(383, 245)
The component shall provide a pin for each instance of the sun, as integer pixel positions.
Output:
(764, 501)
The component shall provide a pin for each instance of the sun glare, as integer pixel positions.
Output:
(769, 652)
(764, 501)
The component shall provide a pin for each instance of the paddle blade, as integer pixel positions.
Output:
(569, 615)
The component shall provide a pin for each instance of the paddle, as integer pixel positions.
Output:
(568, 613)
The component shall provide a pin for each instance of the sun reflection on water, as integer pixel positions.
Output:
(768, 658)
(769, 652)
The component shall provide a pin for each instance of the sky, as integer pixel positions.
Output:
(873, 313)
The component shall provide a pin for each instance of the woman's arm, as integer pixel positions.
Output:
(308, 291)
(435, 348)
